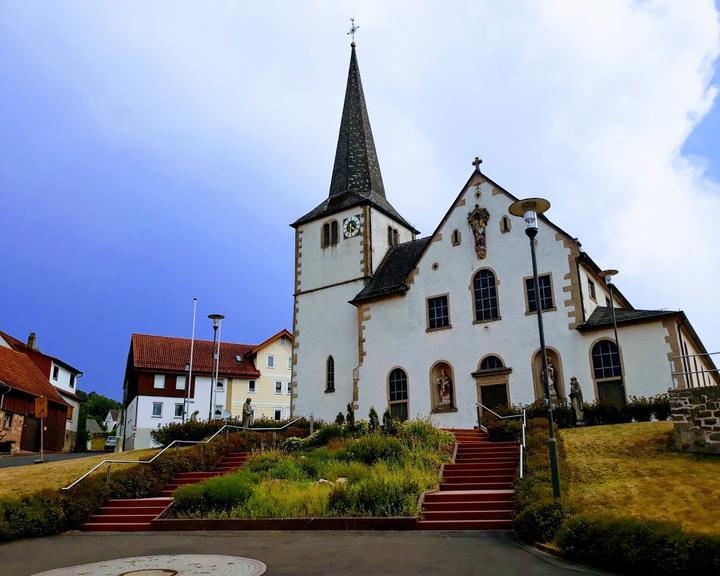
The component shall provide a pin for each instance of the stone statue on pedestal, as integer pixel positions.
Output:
(576, 399)
(247, 414)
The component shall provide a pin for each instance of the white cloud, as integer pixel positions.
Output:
(585, 103)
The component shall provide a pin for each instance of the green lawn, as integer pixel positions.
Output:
(631, 470)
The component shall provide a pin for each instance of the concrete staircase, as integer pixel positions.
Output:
(137, 514)
(476, 490)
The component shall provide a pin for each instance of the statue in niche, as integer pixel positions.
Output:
(444, 384)
(576, 399)
(478, 220)
(552, 379)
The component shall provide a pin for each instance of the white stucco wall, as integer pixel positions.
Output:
(379, 223)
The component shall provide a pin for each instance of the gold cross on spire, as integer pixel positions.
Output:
(477, 163)
(352, 31)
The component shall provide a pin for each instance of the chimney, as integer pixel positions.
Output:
(31, 340)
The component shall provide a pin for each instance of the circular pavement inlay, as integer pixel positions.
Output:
(170, 565)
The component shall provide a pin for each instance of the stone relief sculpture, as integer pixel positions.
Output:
(478, 220)
(444, 384)
(576, 399)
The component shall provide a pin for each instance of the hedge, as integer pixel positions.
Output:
(538, 515)
(49, 512)
(197, 430)
(639, 546)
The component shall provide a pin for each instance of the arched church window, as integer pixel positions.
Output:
(393, 237)
(398, 393)
(491, 362)
(455, 237)
(333, 232)
(606, 360)
(330, 375)
(505, 224)
(396, 237)
(485, 296)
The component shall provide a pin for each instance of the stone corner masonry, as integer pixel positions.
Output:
(696, 419)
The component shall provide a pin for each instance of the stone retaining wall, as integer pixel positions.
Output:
(696, 419)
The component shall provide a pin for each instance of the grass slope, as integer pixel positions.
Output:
(20, 480)
(631, 470)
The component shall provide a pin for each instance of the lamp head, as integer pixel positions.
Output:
(216, 318)
(607, 275)
(528, 209)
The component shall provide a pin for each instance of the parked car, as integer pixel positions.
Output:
(110, 443)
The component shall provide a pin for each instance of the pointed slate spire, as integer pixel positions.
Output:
(356, 166)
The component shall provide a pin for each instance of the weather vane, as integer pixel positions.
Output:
(353, 29)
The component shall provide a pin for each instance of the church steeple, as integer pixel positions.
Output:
(356, 178)
(356, 167)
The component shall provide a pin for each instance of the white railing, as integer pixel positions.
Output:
(523, 415)
(176, 444)
(697, 370)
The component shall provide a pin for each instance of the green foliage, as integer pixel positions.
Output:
(635, 546)
(537, 514)
(219, 494)
(639, 409)
(504, 430)
(421, 433)
(198, 430)
(92, 405)
(326, 433)
(389, 424)
(340, 418)
(661, 407)
(374, 448)
(53, 511)
(373, 420)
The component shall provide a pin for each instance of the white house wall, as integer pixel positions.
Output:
(379, 223)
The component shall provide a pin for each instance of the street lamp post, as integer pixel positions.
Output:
(216, 320)
(607, 276)
(529, 209)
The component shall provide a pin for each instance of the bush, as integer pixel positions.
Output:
(373, 420)
(537, 514)
(504, 430)
(539, 521)
(389, 424)
(661, 407)
(340, 419)
(219, 494)
(375, 447)
(327, 433)
(639, 409)
(421, 433)
(635, 546)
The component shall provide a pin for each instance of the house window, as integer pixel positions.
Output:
(289, 388)
(606, 360)
(438, 312)
(251, 386)
(505, 224)
(278, 414)
(178, 410)
(159, 382)
(289, 363)
(218, 411)
(485, 292)
(7, 420)
(72, 380)
(330, 375)
(70, 410)
(157, 409)
(398, 393)
(56, 372)
(607, 301)
(491, 363)
(546, 297)
(455, 238)
(591, 289)
(180, 383)
(270, 361)
(278, 387)
(220, 384)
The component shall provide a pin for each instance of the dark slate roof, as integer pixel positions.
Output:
(390, 276)
(356, 177)
(602, 317)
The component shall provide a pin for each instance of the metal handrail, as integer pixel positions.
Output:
(522, 415)
(177, 442)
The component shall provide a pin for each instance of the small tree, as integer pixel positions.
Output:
(340, 418)
(389, 424)
(350, 418)
(374, 421)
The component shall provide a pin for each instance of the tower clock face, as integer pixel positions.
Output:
(351, 226)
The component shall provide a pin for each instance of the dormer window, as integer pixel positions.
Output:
(56, 372)
(238, 357)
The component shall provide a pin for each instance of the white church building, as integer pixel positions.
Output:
(434, 325)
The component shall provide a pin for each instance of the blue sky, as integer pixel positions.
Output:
(150, 153)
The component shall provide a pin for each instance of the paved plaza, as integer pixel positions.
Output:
(294, 553)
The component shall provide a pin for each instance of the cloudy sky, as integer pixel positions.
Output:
(155, 151)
